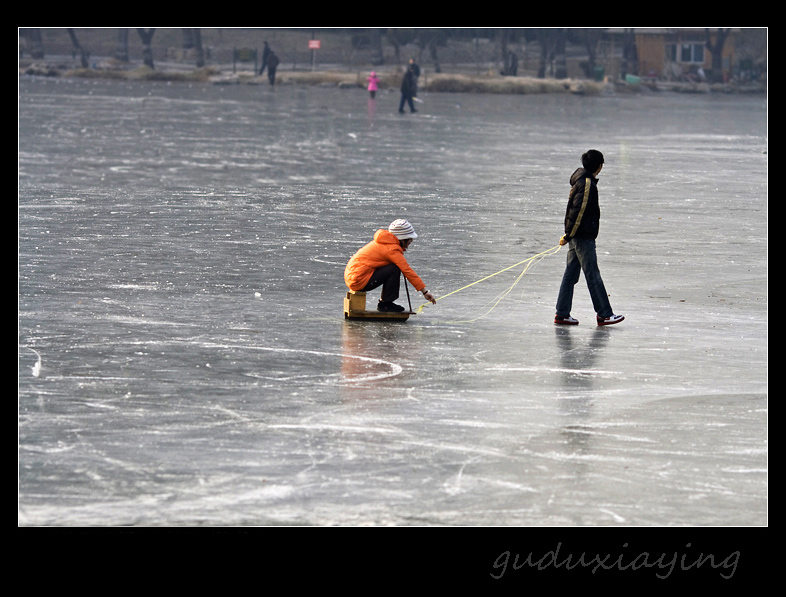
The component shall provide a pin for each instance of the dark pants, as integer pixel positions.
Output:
(406, 97)
(389, 277)
(582, 257)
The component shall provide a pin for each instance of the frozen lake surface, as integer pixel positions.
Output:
(183, 357)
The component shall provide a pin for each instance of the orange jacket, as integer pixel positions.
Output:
(383, 250)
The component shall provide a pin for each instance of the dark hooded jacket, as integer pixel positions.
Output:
(408, 83)
(582, 216)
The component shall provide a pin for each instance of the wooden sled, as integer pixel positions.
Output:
(355, 308)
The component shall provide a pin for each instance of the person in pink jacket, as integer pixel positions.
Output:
(381, 263)
(373, 84)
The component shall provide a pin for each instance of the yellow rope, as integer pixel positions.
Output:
(529, 261)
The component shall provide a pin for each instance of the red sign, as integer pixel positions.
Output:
(314, 44)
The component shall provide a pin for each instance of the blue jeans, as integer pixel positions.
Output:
(582, 257)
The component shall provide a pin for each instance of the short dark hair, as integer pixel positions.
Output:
(592, 160)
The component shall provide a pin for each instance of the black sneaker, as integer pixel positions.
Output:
(389, 307)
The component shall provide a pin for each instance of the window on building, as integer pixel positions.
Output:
(686, 53)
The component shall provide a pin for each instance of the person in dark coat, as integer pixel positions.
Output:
(272, 64)
(265, 55)
(408, 87)
(416, 75)
(582, 223)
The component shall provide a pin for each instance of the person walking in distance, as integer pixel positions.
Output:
(272, 65)
(408, 90)
(373, 84)
(415, 76)
(265, 54)
(582, 223)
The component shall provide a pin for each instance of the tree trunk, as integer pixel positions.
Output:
(427, 41)
(548, 41)
(147, 50)
(716, 50)
(591, 38)
(33, 43)
(83, 56)
(505, 36)
(560, 57)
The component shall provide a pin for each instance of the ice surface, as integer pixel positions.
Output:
(183, 357)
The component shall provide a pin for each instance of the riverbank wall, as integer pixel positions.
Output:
(390, 79)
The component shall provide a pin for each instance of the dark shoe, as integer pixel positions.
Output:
(388, 307)
(610, 320)
(565, 320)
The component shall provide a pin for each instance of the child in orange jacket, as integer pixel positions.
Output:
(381, 263)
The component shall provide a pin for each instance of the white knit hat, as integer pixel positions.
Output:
(402, 229)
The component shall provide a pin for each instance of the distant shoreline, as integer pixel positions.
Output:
(429, 82)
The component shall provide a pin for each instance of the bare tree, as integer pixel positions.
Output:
(552, 49)
(430, 39)
(33, 43)
(716, 50)
(509, 59)
(147, 50)
(83, 55)
(590, 38)
(397, 38)
(192, 40)
(560, 56)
